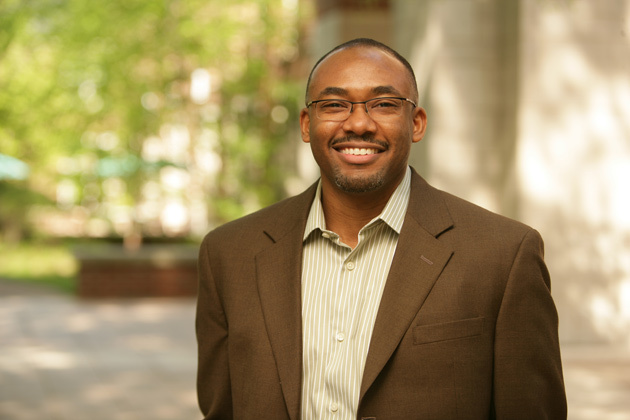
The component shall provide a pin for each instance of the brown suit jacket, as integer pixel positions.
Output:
(466, 328)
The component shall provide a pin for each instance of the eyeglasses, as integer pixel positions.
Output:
(379, 109)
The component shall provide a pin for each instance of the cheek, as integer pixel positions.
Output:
(321, 135)
(322, 130)
(320, 153)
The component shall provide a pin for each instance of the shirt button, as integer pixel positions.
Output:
(326, 235)
(340, 336)
(350, 266)
(334, 407)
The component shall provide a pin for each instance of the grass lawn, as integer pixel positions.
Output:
(50, 264)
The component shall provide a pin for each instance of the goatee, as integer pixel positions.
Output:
(359, 184)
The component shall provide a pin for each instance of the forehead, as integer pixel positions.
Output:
(359, 71)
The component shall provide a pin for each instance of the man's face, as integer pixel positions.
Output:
(361, 155)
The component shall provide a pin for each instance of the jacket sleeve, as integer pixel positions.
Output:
(528, 382)
(213, 376)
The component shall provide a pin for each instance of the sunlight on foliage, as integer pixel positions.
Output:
(150, 118)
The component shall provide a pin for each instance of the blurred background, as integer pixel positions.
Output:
(128, 129)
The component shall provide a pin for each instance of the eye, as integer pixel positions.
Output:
(333, 105)
(385, 103)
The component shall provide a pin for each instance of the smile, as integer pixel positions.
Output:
(358, 151)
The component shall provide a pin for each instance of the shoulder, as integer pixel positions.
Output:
(453, 218)
(484, 245)
(487, 236)
(465, 213)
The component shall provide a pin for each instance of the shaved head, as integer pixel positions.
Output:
(367, 43)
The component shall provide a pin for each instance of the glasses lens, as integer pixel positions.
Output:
(333, 110)
(384, 107)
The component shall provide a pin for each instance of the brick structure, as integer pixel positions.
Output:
(110, 271)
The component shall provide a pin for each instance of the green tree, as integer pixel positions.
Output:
(103, 98)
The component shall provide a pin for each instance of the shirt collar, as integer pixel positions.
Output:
(393, 214)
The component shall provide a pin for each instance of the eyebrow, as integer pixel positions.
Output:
(331, 91)
(381, 90)
(378, 90)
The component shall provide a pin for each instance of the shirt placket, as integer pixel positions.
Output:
(342, 363)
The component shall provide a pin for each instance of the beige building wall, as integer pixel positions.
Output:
(573, 157)
(529, 116)
(464, 53)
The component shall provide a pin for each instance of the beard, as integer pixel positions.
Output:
(359, 184)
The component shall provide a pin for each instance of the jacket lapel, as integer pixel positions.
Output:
(419, 260)
(278, 272)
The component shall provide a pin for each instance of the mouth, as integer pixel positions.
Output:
(358, 151)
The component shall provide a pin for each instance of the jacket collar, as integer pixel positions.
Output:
(426, 207)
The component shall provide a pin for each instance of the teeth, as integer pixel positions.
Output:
(357, 151)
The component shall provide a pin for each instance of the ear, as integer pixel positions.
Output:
(305, 125)
(419, 124)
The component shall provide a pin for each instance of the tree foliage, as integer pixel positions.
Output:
(103, 99)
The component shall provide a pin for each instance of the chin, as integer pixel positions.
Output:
(359, 184)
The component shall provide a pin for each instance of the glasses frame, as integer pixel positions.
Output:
(353, 103)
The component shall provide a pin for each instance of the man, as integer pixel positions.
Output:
(373, 295)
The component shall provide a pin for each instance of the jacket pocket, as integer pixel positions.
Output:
(465, 328)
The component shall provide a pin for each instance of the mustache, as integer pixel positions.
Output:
(368, 138)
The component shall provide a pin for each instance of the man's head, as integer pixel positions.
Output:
(367, 42)
(363, 148)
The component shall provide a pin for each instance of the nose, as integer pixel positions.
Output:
(359, 121)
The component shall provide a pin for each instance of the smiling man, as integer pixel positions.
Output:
(373, 295)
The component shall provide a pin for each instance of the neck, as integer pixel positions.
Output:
(347, 213)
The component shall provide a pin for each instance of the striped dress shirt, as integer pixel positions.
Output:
(341, 292)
